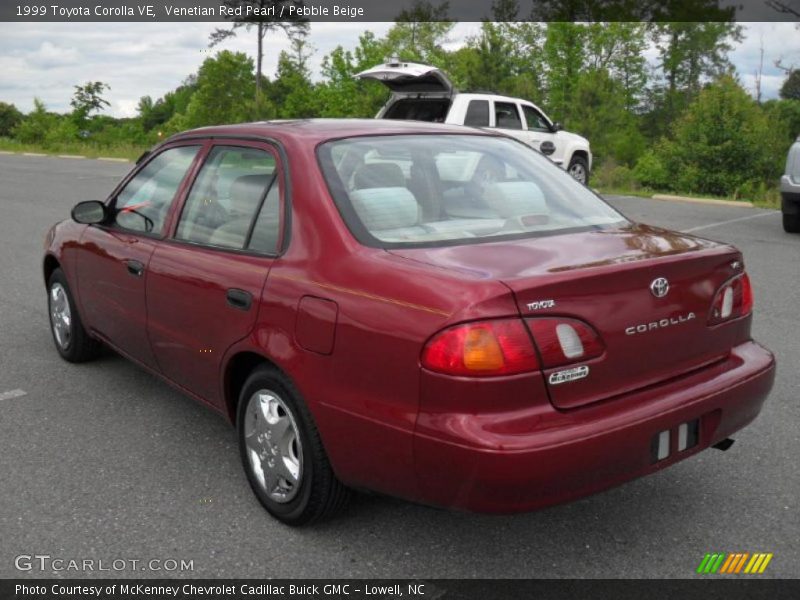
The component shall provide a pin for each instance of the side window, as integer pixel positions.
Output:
(234, 184)
(506, 116)
(535, 119)
(143, 203)
(477, 113)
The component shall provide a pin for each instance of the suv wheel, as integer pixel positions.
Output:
(791, 223)
(579, 169)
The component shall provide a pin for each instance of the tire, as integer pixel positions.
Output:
(282, 453)
(72, 341)
(791, 223)
(579, 169)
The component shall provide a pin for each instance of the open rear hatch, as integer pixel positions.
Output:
(408, 77)
(607, 279)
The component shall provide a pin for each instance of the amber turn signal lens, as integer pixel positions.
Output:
(481, 349)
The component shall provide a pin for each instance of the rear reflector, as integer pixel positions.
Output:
(564, 341)
(734, 299)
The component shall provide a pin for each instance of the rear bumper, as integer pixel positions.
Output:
(527, 459)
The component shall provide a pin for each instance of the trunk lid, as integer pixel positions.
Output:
(604, 279)
(403, 77)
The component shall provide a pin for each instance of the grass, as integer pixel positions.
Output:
(87, 149)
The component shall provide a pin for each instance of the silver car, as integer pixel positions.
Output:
(790, 190)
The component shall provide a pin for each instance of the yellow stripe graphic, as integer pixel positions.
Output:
(765, 563)
(758, 563)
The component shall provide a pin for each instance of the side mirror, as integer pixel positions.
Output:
(90, 212)
(547, 147)
(557, 126)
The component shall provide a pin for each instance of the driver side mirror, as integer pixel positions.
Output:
(90, 212)
(557, 126)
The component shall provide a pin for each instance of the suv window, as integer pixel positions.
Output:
(234, 185)
(506, 116)
(143, 203)
(477, 113)
(535, 119)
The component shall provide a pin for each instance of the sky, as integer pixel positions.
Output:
(46, 60)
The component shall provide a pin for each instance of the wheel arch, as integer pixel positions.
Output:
(236, 371)
(49, 265)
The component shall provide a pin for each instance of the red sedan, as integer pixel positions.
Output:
(421, 310)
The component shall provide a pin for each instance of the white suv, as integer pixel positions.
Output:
(790, 190)
(424, 93)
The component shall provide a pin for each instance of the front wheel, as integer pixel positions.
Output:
(72, 341)
(579, 169)
(282, 453)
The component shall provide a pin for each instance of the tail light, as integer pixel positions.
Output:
(483, 348)
(734, 299)
(564, 341)
(504, 347)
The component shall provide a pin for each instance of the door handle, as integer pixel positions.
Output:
(135, 268)
(239, 299)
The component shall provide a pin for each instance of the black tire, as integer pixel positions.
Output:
(580, 165)
(319, 494)
(791, 223)
(77, 346)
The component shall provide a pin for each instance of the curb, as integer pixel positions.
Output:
(75, 156)
(671, 198)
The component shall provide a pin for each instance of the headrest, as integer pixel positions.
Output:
(383, 208)
(378, 175)
(515, 198)
(246, 191)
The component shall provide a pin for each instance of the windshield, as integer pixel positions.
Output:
(411, 190)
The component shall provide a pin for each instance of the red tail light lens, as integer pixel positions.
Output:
(734, 299)
(564, 341)
(482, 349)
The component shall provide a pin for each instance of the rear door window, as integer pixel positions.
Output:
(506, 116)
(234, 202)
(477, 113)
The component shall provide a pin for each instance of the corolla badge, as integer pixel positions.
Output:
(659, 287)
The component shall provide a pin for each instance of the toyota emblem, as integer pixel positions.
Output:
(659, 287)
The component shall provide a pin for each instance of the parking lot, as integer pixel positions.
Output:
(104, 461)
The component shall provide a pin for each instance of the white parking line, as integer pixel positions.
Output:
(747, 218)
(12, 394)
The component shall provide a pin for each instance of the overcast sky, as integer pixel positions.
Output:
(137, 59)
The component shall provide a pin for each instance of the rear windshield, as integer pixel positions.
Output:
(425, 190)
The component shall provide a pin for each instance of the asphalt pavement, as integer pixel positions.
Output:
(103, 461)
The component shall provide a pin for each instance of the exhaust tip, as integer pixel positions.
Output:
(724, 444)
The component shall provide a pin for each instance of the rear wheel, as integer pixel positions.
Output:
(579, 169)
(282, 453)
(72, 341)
(791, 223)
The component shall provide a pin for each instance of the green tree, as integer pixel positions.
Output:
(790, 90)
(269, 17)
(36, 125)
(419, 32)
(564, 53)
(689, 54)
(224, 92)
(10, 117)
(155, 114)
(88, 99)
(340, 94)
(292, 92)
(723, 144)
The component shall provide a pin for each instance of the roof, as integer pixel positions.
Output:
(318, 130)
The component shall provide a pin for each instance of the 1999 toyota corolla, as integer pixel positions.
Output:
(421, 310)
